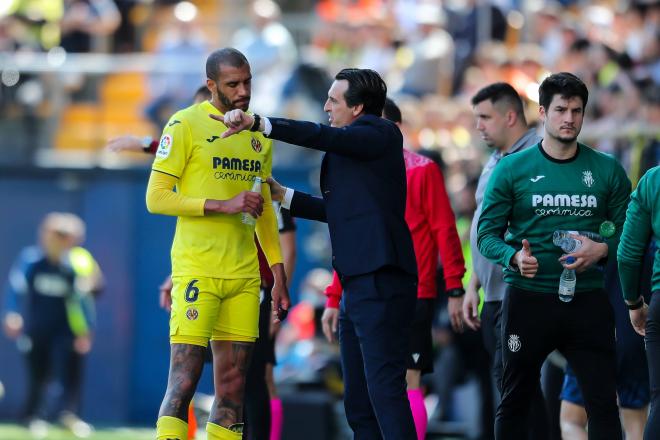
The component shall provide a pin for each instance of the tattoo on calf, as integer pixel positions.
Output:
(228, 409)
(186, 365)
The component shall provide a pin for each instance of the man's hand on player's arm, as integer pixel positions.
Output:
(246, 201)
(280, 293)
(277, 191)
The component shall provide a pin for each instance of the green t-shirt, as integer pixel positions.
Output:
(642, 224)
(530, 195)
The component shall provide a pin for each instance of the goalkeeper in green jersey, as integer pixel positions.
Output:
(557, 184)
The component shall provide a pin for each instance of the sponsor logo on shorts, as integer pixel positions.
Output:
(415, 357)
(192, 314)
(514, 343)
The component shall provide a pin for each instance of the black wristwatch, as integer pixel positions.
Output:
(638, 305)
(257, 121)
(456, 293)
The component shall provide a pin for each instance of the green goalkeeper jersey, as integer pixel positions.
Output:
(642, 225)
(530, 195)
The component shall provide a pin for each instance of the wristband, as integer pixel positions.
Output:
(257, 121)
(456, 293)
(638, 305)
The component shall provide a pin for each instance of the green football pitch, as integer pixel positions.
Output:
(16, 432)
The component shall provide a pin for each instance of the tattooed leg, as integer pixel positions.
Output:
(230, 364)
(186, 362)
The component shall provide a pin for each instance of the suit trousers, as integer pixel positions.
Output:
(374, 330)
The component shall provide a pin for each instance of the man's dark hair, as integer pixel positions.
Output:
(203, 92)
(227, 56)
(501, 92)
(365, 87)
(564, 84)
(391, 111)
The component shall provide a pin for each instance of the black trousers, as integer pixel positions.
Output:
(52, 356)
(652, 339)
(374, 334)
(257, 399)
(533, 325)
(491, 319)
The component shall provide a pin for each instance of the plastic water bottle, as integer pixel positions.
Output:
(570, 244)
(245, 217)
(567, 282)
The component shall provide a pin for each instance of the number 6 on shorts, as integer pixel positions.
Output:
(192, 292)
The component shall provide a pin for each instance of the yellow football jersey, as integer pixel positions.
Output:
(208, 167)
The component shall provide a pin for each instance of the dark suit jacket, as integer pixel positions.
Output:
(363, 183)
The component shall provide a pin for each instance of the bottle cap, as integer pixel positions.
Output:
(607, 229)
(570, 260)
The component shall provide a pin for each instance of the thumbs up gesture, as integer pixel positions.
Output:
(527, 264)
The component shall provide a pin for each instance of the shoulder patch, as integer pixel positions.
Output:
(164, 147)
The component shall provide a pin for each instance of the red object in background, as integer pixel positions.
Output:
(432, 226)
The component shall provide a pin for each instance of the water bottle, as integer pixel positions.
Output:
(570, 244)
(567, 282)
(245, 217)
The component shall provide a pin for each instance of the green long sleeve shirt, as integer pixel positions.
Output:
(642, 224)
(530, 195)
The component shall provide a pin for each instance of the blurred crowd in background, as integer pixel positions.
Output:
(75, 73)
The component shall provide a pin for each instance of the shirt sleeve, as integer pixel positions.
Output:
(266, 227)
(334, 292)
(174, 147)
(637, 231)
(443, 224)
(161, 199)
(493, 222)
(616, 206)
(17, 287)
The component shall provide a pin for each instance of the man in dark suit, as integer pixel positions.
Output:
(363, 182)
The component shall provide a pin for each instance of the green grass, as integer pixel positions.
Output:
(16, 432)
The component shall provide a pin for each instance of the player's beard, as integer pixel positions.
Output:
(231, 105)
(565, 139)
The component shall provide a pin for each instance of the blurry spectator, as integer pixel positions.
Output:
(475, 23)
(33, 25)
(182, 42)
(270, 49)
(85, 19)
(49, 311)
(433, 51)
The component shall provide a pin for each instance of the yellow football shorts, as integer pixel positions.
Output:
(214, 308)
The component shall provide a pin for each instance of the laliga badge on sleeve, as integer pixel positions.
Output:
(164, 146)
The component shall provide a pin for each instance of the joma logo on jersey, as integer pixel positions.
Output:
(559, 200)
(233, 163)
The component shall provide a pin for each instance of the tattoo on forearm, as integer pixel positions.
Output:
(186, 365)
